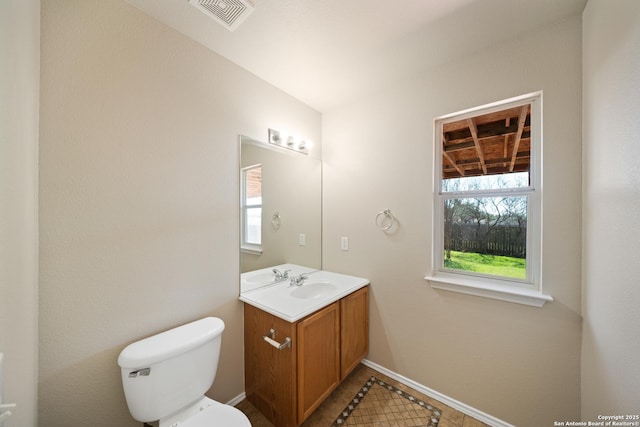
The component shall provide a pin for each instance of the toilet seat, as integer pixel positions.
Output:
(218, 415)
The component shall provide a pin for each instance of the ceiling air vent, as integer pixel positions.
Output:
(228, 13)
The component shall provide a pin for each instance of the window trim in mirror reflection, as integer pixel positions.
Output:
(251, 208)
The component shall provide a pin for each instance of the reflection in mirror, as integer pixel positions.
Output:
(281, 193)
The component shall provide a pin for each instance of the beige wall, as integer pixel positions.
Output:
(517, 363)
(19, 78)
(138, 197)
(611, 191)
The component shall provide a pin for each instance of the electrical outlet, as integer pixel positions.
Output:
(344, 243)
(302, 239)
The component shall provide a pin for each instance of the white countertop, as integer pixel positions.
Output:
(265, 276)
(292, 303)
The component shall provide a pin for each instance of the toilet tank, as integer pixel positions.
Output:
(169, 371)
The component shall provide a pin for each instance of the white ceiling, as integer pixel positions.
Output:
(327, 52)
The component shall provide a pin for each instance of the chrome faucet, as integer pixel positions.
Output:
(298, 280)
(281, 275)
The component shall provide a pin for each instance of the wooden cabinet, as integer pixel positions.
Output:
(288, 384)
(354, 330)
(318, 358)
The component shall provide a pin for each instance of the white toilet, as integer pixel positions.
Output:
(165, 377)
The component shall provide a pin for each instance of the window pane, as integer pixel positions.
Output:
(252, 205)
(253, 184)
(486, 182)
(253, 226)
(254, 201)
(486, 235)
(489, 151)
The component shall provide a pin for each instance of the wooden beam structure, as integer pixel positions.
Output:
(524, 111)
(476, 142)
(487, 144)
(450, 157)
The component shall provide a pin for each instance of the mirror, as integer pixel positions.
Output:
(281, 196)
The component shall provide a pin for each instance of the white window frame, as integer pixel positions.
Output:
(529, 290)
(244, 245)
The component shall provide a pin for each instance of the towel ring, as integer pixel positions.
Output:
(275, 220)
(385, 220)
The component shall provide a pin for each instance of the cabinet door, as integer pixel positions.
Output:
(270, 381)
(318, 358)
(354, 330)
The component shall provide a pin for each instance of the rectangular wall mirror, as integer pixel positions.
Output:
(280, 208)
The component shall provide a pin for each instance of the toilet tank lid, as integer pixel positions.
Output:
(170, 343)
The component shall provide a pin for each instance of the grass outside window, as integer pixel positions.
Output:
(494, 265)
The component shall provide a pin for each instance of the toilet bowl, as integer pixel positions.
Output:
(216, 414)
(165, 376)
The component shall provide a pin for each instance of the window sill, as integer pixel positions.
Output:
(500, 292)
(252, 251)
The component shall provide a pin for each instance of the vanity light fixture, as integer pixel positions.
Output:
(288, 141)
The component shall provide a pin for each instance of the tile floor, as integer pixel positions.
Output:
(327, 413)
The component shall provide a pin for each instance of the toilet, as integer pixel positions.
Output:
(165, 377)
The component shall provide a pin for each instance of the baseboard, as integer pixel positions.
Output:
(239, 398)
(459, 406)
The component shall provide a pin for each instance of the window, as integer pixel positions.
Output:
(487, 201)
(251, 209)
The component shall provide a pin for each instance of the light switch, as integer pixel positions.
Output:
(302, 239)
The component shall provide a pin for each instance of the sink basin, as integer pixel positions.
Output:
(313, 290)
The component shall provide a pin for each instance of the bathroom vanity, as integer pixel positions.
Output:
(302, 341)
